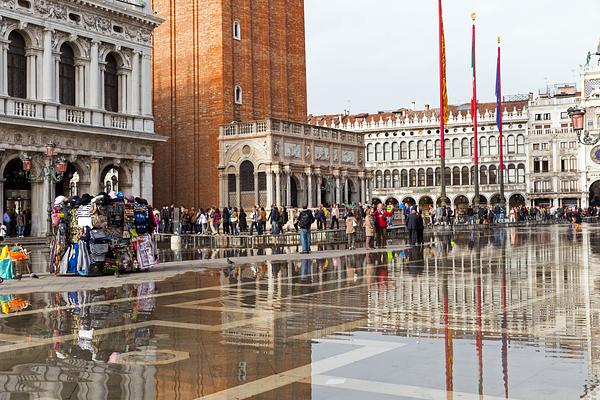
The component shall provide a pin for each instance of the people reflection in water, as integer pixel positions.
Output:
(305, 271)
(416, 263)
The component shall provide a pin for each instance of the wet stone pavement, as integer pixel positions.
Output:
(499, 314)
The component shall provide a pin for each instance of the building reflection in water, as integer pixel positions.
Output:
(478, 296)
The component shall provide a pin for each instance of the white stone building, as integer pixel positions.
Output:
(402, 153)
(76, 73)
(290, 164)
(590, 155)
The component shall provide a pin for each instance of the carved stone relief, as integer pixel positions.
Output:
(293, 150)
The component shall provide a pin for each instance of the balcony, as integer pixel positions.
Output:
(59, 113)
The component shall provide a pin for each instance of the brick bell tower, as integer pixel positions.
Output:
(218, 61)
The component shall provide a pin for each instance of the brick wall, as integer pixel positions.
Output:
(197, 64)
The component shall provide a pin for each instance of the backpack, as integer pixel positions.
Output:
(305, 219)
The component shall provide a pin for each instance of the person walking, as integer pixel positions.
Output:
(369, 225)
(351, 225)
(243, 220)
(335, 217)
(282, 219)
(202, 222)
(254, 221)
(21, 224)
(420, 227)
(233, 221)
(216, 221)
(262, 222)
(273, 218)
(412, 224)
(305, 221)
(225, 215)
(320, 217)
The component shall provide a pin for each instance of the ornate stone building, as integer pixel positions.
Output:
(77, 74)
(290, 164)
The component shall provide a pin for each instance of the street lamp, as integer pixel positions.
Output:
(53, 172)
(577, 116)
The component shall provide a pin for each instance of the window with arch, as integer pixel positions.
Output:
(448, 176)
(430, 177)
(421, 177)
(437, 176)
(16, 66)
(396, 179)
(520, 144)
(412, 151)
(404, 179)
(483, 175)
(521, 173)
(66, 75)
(378, 179)
(573, 164)
(493, 172)
(370, 152)
(455, 176)
(429, 149)
(447, 147)
(387, 179)
(378, 152)
(413, 178)
(387, 151)
(455, 148)
(464, 151)
(465, 176)
(437, 148)
(237, 30)
(420, 150)
(511, 145)
(512, 174)
(483, 146)
(471, 147)
(395, 151)
(238, 94)
(247, 176)
(111, 84)
(493, 146)
(403, 151)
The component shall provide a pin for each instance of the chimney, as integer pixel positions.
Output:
(426, 107)
(414, 106)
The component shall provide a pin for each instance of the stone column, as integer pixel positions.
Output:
(95, 184)
(338, 189)
(136, 188)
(3, 68)
(94, 77)
(1, 199)
(347, 190)
(135, 84)
(269, 189)
(122, 91)
(31, 74)
(278, 187)
(256, 190)
(80, 83)
(146, 96)
(47, 82)
(223, 189)
(310, 190)
(238, 192)
(363, 191)
(288, 189)
(147, 181)
(319, 183)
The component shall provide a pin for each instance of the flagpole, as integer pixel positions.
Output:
(500, 127)
(474, 115)
(443, 96)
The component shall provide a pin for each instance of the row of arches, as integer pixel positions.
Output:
(430, 149)
(456, 176)
(459, 202)
(68, 83)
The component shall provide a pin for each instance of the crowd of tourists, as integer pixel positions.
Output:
(16, 223)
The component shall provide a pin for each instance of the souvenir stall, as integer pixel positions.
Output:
(106, 234)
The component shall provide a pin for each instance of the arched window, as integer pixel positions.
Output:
(429, 149)
(247, 176)
(378, 179)
(395, 151)
(521, 173)
(387, 179)
(471, 147)
(573, 164)
(483, 175)
(387, 151)
(455, 148)
(16, 66)
(66, 75)
(412, 178)
(437, 148)
(448, 176)
(483, 147)
(370, 152)
(465, 176)
(396, 179)
(403, 151)
(455, 176)
(510, 144)
(465, 147)
(404, 178)
(378, 152)
(238, 94)
(421, 177)
(493, 146)
(520, 144)
(512, 173)
(430, 178)
(421, 150)
(412, 151)
(437, 176)
(493, 175)
(447, 147)
(111, 85)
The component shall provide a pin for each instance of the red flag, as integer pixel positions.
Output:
(443, 87)
(474, 99)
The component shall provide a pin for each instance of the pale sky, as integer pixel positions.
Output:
(383, 54)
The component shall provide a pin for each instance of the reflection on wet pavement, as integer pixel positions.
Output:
(501, 314)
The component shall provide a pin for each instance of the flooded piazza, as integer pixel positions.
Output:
(487, 314)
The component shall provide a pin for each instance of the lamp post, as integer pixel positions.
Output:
(577, 116)
(53, 172)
